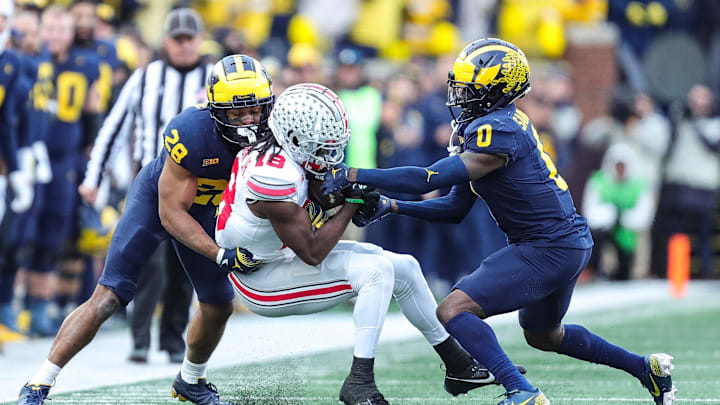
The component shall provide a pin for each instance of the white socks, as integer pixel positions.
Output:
(191, 372)
(46, 374)
(371, 275)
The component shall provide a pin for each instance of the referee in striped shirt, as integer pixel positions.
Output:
(146, 103)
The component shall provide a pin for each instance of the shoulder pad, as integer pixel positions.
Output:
(185, 136)
(193, 121)
(502, 120)
(276, 179)
(271, 189)
(493, 134)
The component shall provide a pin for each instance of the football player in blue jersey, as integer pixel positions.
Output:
(75, 75)
(500, 159)
(175, 197)
(84, 13)
(33, 121)
(10, 91)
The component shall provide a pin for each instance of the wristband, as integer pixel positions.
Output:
(220, 254)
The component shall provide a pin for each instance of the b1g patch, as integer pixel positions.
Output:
(210, 162)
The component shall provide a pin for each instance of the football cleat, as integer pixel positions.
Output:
(517, 397)
(474, 376)
(33, 394)
(202, 393)
(353, 393)
(657, 378)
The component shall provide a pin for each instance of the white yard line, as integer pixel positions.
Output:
(250, 338)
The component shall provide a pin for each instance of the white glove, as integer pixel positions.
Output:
(3, 195)
(23, 190)
(43, 170)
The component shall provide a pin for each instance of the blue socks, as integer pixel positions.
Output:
(479, 340)
(582, 344)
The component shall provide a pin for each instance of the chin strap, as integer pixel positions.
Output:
(247, 133)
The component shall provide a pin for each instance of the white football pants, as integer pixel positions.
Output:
(352, 269)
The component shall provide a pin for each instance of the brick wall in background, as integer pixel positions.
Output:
(591, 54)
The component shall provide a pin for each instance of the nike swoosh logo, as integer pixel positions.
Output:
(657, 390)
(527, 401)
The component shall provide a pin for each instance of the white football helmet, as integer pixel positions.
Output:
(309, 121)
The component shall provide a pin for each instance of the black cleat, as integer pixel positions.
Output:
(202, 393)
(474, 376)
(355, 393)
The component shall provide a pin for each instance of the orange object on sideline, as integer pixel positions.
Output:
(678, 271)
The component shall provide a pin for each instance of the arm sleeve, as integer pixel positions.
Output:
(416, 180)
(451, 208)
(114, 130)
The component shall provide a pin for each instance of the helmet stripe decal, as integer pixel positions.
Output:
(247, 63)
(229, 66)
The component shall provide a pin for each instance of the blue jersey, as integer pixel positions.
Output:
(10, 91)
(193, 142)
(38, 75)
(107, 52)
(73, 78)
(528, 198)
(109, 61)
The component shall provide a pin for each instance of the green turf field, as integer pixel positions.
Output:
(409, 372)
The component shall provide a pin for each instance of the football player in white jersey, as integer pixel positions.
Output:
(306, 269)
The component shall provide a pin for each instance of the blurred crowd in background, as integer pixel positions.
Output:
(624, 95)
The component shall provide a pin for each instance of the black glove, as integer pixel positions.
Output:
(237, 259)
(356, 193)
(376, 207)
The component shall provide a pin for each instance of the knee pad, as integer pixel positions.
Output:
(367, 270)
(406, 266)
(408, 272)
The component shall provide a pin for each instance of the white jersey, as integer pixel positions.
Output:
(255, 177)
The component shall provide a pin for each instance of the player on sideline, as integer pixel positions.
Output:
(501, 160)
(176, 197)
(305, 270)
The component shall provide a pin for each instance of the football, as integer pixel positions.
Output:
(327, 202)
